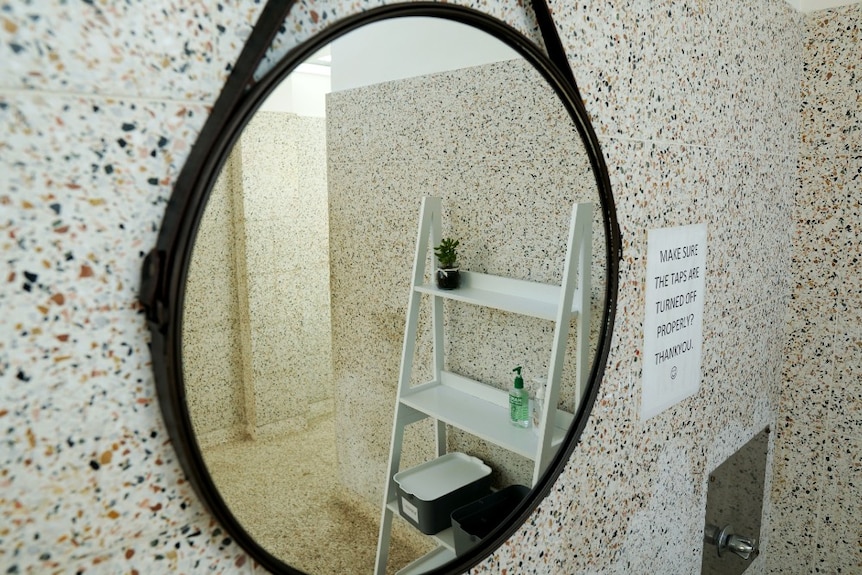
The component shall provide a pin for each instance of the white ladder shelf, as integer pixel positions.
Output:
(472, 406)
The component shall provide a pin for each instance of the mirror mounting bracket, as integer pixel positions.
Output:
(553, 44)
(151, 277)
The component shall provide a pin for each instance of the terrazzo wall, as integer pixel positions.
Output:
(495, 143)
(257, 330)
(214, 340)
(817, 494)
(287, 269)
(696, 105)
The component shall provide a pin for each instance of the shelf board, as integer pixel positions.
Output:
(517, 296)
(445, 538)
(443, 553)
(480, 410)
(432, 559)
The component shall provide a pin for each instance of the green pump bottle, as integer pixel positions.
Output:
(519, 402)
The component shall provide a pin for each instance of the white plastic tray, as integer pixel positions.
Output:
(434, 479)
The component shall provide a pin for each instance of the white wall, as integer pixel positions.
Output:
(814, 5)
(301, 93)
(366, 57)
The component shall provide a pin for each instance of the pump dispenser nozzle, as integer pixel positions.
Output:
(519, 381)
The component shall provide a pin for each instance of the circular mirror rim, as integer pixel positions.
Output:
(166, 267)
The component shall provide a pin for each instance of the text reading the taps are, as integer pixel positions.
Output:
(670, 323)
(673, 319)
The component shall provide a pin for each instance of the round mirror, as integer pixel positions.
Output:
(322, 389)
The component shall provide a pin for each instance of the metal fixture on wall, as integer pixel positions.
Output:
(734, 507)
(725, 540)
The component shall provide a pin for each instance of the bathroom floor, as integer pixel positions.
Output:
(284, 493)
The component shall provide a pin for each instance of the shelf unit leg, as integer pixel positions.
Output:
(404, 416)
(441, 437)
(585, 262)
(434, 209)
(383, 542)
(575, 283)
(429, 224)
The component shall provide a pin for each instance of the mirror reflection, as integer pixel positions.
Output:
(298, 290)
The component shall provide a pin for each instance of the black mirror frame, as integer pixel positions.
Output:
(166, 266)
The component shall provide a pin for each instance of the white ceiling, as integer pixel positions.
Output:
(814, 5)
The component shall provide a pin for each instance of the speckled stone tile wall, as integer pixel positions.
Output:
(96, 119)
(213, 340)
(271, 192)
(697, 107)
(816, 495)
(287, 255)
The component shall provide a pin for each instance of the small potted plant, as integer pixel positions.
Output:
(448, 271)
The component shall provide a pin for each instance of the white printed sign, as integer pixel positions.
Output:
(673, 325)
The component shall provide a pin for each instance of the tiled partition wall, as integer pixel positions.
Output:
(818, 486)
(256, 334)
(287, 268)
(507, 184)
(696, 105)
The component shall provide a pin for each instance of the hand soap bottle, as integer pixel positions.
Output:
(519, 402)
